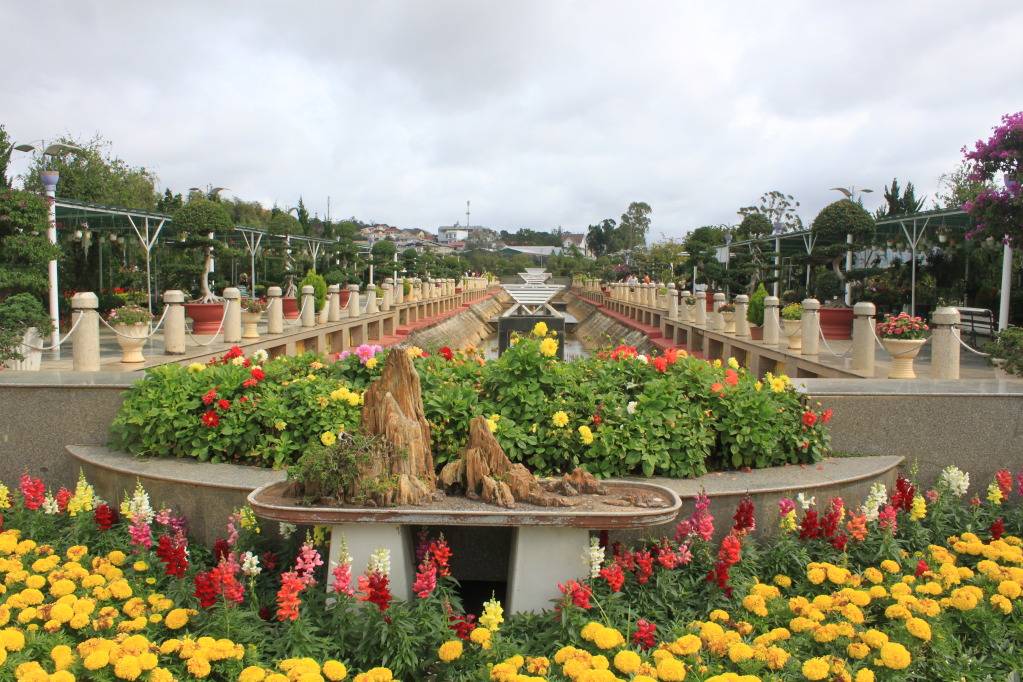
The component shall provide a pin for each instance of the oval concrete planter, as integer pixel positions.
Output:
(206, 317)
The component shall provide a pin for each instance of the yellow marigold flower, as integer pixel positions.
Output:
(97, 660)
(12, 639)
(627, 661)
(816, 575)
(895, 656)
(919, 628)
(608, 638)
(540, 329)
(548, 347)
(755, 604)
(670, 670)
(739, 652)
(566, 652)
(449, 651)
(560, 419)
(864, 675)
(857, 650)
(782, 580)
(62, 587)
(889, 566)
(161, 675)
(334, 670)
(838, 575)
(585, 434)
(278, 677)
(1001, 603)
(254, 673)
(480, 636)
(719, 615)
(686, 645)
(1010, 589)
(127, 667)
(35, 582)
(328, 438)
(117, 557)
(600, 662)
(538, 665)
(62, 613)
(816, 668)
(177, 618)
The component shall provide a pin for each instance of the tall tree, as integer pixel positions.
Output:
(6, 147)
(481, 238)
(92, 173)
(635, 223)
(600, 238)
(956, 187)
(303, 215)
(169, 203)
(898, 203)
(777, 207)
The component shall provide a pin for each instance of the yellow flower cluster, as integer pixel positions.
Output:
(585, 434)
(548, 347)
(604, 637)
(540, 329)
(560, 419)
(343, 394)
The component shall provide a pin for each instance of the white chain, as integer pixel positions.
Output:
(60, 342)
(820, 330)
(968, 346)
(216, 333)
(128, 336)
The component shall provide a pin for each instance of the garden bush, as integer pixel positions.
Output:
(615, 413)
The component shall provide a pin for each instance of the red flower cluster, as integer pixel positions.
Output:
(446, 353)
(745, 521)
(728, 556)
(441, 553)
(623, 353)
(661, 364)
(287, 597)
(997, 529)
(375, 590)
(33, 491)
(644, 565)
(671, 355)
(62, 497)
(645, 634)
(832, 522)
(426, 579)
(615, 577)
(809, 527)
(461, 623)
(577, 592)
(1004, 480)
(209, 397)
(921, 568)
(809, 418)
(105, 516)
(731, 377)
(902, 495)
(171, 551)
(210, 419)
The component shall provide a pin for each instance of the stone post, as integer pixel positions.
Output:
(334, 303)
(173, 323)
(651, 295)
(772, 327)
(417, 290)
(398, 292)
(308, 306)
(810, 327)
(233, 316)
(701, 308)
(863, 337)
(672, 302)
(85, 343)
(741, 323)
(324, 315)
(371, 299)
(388, 293)
(944, 344)
(274, 311)
(717, 319)
(353, 301)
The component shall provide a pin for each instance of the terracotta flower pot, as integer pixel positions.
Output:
(836, 323)
(290, 304)
(206, 317)
(756, 333)
(902, 352)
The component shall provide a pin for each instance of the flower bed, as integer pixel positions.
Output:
(909, 585)
(616, 413)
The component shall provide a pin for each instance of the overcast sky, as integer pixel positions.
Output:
(540, 113)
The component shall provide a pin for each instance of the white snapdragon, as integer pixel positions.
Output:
(380, 561)
(50, 505)
(287, 529)
(954, 480)
(878, 496)
(250, 565)
(594, 557)
(631, 407)
(804, 501)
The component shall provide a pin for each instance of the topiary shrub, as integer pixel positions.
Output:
(19, 313)
(319, 286)
(755, 310)
(198, 223)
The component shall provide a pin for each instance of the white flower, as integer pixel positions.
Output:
(138, 506)
(594, 556)
(804, 501)
(643, 359)
(878, 496)
(955, 480)
(287, 529)
(260, 356)
(380, 562)
(50, 505)
(631, 407)
(250, 565)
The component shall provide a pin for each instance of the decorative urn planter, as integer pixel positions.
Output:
(206, 317)
(792, 330)
(836, 323)
(249, 322)
(290, 304)
(729, 322)
(29, 348)
(691, 309)
(902, 352)
(131, 338)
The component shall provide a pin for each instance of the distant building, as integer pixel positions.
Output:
(456, 233)
(578, 241)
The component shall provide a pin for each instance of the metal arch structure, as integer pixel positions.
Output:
(532, 305)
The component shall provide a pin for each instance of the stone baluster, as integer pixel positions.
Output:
(717, 319)
(324, 315)
(863, 337)
(944, 344)
(772, 325)
(388, 293)
(741, 323)
(353, 301)
(85, 343)
(233, 316)
(173, 322)
(308, 306)
(371, 299)
(810, 327)
(672, 302)
(274, 311)
(333, 303)
(701, 308)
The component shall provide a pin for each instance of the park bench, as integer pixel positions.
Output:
(975, 322)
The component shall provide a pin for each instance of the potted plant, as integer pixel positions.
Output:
(252, 313)
(755, 312)
(902, 337)
(791, 324)
(690, 303)
(198, 223)
(1005, 352)
(23, 324)
(727, 311)
(319, 286)
(24, 252)
(131, 328)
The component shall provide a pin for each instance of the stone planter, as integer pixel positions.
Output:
(729, 319)
(290, 304)
(249, 322)
(131, 338)
(206, 317)
(836, 323)
(792, 330)
(902, 352)
(30, 341)
(691, 309)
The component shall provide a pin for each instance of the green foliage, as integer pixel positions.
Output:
(284, 224)
(328, 471)
(17, 314)
(755, 309)
(793, 311)
(827, 285)
(841, 218)
(1006, 350)
(199, 218)
(24, 247)
(899, 203)
(319, 285)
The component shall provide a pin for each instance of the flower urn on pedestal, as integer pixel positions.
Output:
(902, 351)
(131, 338)
(252, 313)
(792, 329)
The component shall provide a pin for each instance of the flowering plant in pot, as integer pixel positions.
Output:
(902, 336)
(253, 305)
(902, 326)
(1005, 351)
(19, 314)
(727, 308)
(129, 316)
(792, 312)
(689, 300)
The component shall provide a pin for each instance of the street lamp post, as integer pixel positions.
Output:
(778, 227)
(49, 178)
